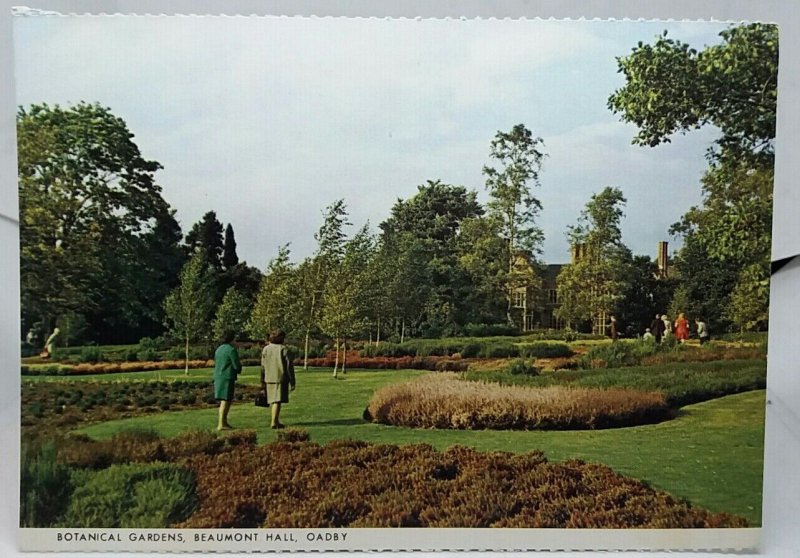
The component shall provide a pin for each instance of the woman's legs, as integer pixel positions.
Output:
(222, 423)
(276, 413)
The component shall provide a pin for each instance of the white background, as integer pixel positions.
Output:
(781, 529)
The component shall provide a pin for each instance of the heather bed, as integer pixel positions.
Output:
(176, 483)
(446, 401)
(681, 383)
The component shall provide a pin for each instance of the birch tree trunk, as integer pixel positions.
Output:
(186, 360)
(336, 361)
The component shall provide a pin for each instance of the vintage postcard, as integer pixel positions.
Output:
(293, 283)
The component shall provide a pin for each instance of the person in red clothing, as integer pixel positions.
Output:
(681, 328)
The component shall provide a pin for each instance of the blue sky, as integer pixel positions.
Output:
(268, 120)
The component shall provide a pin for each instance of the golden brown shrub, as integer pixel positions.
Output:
(445, 401)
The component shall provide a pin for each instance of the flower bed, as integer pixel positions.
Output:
(355, 360)
(447, 402)
(55, 404)
(110, 367)
(357, 484)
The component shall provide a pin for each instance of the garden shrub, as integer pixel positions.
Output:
(681, 383)
(498, 350)
(445, 401)
(293, 435)
(357, 484)
(522, 366)
(44, 485)
(91, 354)
(490, 330)
(131, 496)
(544, 350)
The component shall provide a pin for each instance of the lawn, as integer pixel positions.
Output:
(711, 454)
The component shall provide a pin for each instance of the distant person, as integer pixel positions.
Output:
(647, 335)
(657, 328)
(277, 375)
(226, 370)
(614, 329)
(681, 328)
(50, 344)
(667, 326)
(702, 331)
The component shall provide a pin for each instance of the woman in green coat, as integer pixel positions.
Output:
(226, 369)
(277, 374)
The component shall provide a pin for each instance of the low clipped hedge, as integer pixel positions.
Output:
(469, 348)
(445, 401)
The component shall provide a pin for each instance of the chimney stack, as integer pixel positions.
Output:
(663, 259)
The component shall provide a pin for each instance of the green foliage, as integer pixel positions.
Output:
(131, 496)
(44, 486)
(544, 350)
(732, 85)
(229, 257)
(206, 237)
(188, 307)
(232, 314)
(522, 366)
(97, 239)
(91, 354)
(671, 88)
(682, 383)
(277, 296)
(594, 284)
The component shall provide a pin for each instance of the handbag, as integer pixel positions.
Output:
(261, 400)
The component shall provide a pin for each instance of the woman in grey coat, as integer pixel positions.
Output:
(277, 374)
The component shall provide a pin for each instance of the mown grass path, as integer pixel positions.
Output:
(711, 454)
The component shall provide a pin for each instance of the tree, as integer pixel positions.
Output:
(429, 224)
(229, 257)
(232, 314)
(346, 296)
(276, 301)
(189, 306)
(592, 286)
(644, 295)
(330, 249)
(483, 255)
(88, 200)
(672, 88)
(207, 234)
(520, 157)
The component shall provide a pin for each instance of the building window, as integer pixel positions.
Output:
(552, 296)
(518, 299)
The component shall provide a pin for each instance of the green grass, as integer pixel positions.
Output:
(711, 454)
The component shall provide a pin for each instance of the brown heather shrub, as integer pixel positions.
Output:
(445, 401)
(357, 484)
(147, 447)
(432, 363)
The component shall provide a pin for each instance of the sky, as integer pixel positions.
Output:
(268, 120)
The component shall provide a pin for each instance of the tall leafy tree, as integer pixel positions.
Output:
(207, 235)
(591, 287)
(188, 308)
(229, 256)
(275, 306)
(519, 156)
(346, 295)
(330, 249)
(88, 198)
(232, 314)
(428, 224)
(671, 88)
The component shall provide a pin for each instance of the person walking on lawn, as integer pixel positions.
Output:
(226, 370)
(681, 328)
(277, 375)
(657, 328)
